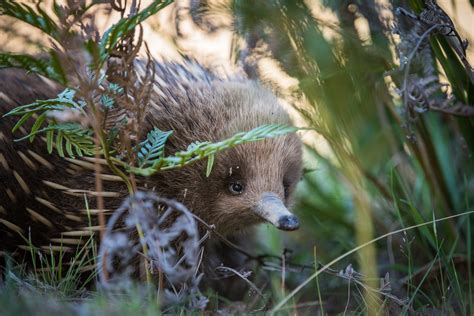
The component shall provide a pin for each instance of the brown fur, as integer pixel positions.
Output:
(214, 112)
(187, 100)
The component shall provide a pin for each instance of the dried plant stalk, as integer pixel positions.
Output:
(168, 232)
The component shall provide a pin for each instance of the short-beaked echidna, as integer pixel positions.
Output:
(42, 196)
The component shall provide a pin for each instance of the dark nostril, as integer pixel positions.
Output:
(288, 222)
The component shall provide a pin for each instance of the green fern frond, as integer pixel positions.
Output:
(67, 138)
(37, 18)
(45, 68)
(64, 101)
(107, 102)
(197, 151)
(153, 147)
(115, 33)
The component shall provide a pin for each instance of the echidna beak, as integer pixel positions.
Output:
(272, 209)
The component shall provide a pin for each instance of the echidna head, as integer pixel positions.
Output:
(255, 183)
(250, 183)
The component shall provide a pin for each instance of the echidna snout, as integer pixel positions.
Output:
(272, 209)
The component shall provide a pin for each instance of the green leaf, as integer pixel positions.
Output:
(21, 121)
(116, 32)
(115, 88)
(39, 121)
(197, 151)
(64, 101)
(210, 164)
(59, 144)
(106, 101)
(66, 135)
(69, 149)
(152, 149)
(78, 151)
(47, 69)
(37, 18)
(49, 140)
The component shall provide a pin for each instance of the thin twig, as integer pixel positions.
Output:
(250, 283)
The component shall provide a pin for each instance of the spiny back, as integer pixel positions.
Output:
(200, 106)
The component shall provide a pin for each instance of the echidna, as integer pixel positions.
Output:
(42, 196)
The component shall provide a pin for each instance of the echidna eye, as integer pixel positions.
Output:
(236, 188)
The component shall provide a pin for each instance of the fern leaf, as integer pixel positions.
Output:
(69, 149)
(115, 33)
(64, 100)
(197, 151)
(210, 164)
(36, 126)
(106, 101)
(21, 121)
(153, 147)
(49, 140)
(42, 67)
(37, 18)
(59, 143)
(66, 136)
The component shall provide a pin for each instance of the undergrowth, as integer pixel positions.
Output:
(387, 212)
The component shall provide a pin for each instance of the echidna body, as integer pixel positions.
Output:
(43, 196)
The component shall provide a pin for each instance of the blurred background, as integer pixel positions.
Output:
(373, 165)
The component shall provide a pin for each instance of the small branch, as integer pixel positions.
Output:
(250, 283)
